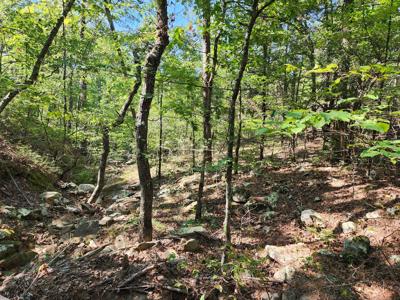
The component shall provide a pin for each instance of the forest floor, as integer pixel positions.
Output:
(75, 257)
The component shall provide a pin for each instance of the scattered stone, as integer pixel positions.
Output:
(72, 209)
(190, 231)
(7, 249)
(374, 214)
(145, 246)
(122, 194)
(284, 274)
(326, 252)
(68, 185)
(266, 229)
(24, 213)
(191, 245)
(17, 260)
(349, 227)
(356, 249)
(86, 188)
(123, 206)
(394, 259)
(60, 223)
(317, 199)
(392, 211)
(288, 255)
(43, 211)
(87, 228)
(50, 198)
(270, 296)
(310, 217)
(106, 221)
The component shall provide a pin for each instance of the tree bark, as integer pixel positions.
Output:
(160, 138)
(150, 69)
(39, 59)
(239, 135)
(255, 12)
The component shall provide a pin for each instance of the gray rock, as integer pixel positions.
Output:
(270, 296)
(266, 229)
(85, 228)
(288, 255)
(24, 213)
(349, 227)
(356, 249)
(122, 194)
(284, 274)
(189, 231)
(86, 188)
(7, 249)
(145, 246)
(72, 209)
(191, 245)
(310, 217)
(393, 210)
(50, 198)
(394, 259)
(123, 206)
(106, 221)
(374, 214)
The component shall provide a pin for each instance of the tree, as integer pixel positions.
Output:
(39, 60)
(152, 62)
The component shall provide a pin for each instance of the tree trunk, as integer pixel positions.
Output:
(239, 136)
(160, 141)
(103, 165)
(39, 59)
(231, 119)
(151, 66)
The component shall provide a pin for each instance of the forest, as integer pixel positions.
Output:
(200, 149)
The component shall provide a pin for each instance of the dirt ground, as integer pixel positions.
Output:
(95, 265)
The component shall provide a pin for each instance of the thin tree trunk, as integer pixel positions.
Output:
(151, 66)
(239, 136)
(264, 101)
(208, 79)
(39, 60)
(255, 12)
(160, 141)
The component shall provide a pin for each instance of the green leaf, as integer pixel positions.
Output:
(374, 125)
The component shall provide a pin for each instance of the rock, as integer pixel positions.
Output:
(123, 206)
(122, 194)
(61, 224)
(394, 259)
(6, 234)
(17, 260)
(288, 255)
(190, 231)
(268, 215)
(190, 207)
(106, 221)
(72, 209)
(68, 185)
(191, 245)
(356, 249)
(392, 211)
(310, 217)
(86, 188)
(24, 213)
(284, 274)
(270, 296)
(349, 227)
(317, 199)
(189, 182)
(266, 229)
(145, 246)
(50, 198)
(7, 249)
(240, 197)
(374, 214)
(87, 228)
(43, 211)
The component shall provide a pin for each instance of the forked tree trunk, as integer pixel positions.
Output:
(149, 75)
(39, 59)
(122, 112)
(255, 12)
(208, 79)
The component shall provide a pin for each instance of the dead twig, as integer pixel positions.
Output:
(175, 290)
(136, 275)
(17, 186)
(93, 252)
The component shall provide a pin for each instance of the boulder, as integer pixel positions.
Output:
(191, 245)
(145, 246)
(86, 188)
(356, 249)
(106, 221)
(374, 214)
(7, 249)
(190, 231)
(292, 254)
(123, 206)
(284, 274)
(51, 198)
(310, 217)
(349, 227)
(85, 228)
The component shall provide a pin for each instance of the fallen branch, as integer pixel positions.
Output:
(18, 188)
(93, 252)
(175, 290)
(136, 275)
